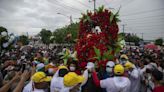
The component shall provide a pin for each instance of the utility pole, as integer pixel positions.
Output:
(94, 1)
(123, 28)
(142, 35)
(94, 5)
(71, 21)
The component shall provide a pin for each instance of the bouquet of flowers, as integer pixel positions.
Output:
(98, 37)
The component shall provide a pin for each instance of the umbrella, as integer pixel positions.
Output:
(151, 46)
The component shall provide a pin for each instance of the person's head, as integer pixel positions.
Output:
(123, 59)
(157, 76)
(61, 62)
(72, 79)
(109, 66)
(40, 80)
(63, 70)
(72, 66)
(118, 70)
(129, 66)
(90, 66)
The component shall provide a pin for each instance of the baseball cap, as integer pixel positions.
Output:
(124, 56)
(110, 64)
(40, 77)
(119, 69)
(62, 67)
(72, 79)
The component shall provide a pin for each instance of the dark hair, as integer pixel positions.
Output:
(62, 72)
(73, 62)
(157, 75)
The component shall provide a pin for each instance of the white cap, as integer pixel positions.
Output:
(90, 65)
(110, 64)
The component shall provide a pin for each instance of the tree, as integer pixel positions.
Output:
(3, 38)
(67, 34)
(6, 40)
(131, 38)
(45, 36)
(23, 39)
(159, 41)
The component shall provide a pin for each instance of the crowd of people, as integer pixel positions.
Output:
(41, 69)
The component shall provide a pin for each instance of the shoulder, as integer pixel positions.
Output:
(159, 89)
(28, 87)
(127, 80)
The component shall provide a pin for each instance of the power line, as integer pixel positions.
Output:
(83, 4)
(147, 25)
(141, 12)
(156, 16)
(105, 2)
(145, 21)
(75, 9)
(61, 6)
(140, 28)
(151, 28)
(127, 3)
(122, 2)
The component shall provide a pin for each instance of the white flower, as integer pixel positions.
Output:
(97, 28)
(4, 34)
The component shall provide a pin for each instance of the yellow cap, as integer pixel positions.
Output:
(119, 69)
(124, 56)
(72, 79)
(40, 77)
(62, 67)
(128, 65)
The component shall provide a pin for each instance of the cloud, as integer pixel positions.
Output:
(21, 16)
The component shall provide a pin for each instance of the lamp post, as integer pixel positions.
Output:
(70, 17)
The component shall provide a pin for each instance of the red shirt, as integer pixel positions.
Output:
(159, 89)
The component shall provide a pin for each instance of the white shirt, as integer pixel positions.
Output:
(56, 84)
(38, 90)
(28, 87)
(135, 80)
(116, 84)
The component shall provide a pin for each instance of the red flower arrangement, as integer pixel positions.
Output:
(97, 32)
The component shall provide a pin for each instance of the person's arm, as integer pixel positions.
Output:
(6, 87)
(33, 70)
(135, 74)
(20, 85)
(96, 79)
(85, 74)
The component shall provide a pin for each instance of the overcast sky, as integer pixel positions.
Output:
(138, 16)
